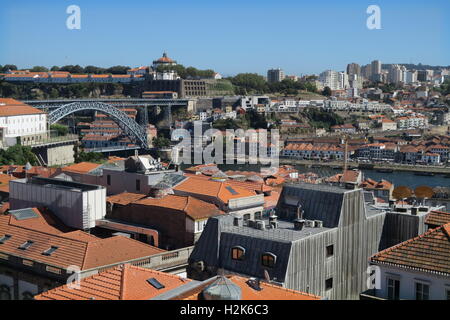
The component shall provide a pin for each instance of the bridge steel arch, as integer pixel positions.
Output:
(130, 127)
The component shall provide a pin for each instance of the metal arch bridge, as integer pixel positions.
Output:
(130, 127)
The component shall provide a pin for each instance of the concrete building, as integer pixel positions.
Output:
(320, 242)
(353, 69)
(78, 205)
(275, 75)
(330, 79)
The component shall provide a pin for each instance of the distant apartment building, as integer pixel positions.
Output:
(310, 151)
(388, 125)
(377, 151)
(68, 78)
(375, 70)
(344, 128)
(275, 75)
(353, 69)
(103, 132)
(330, 79)
(413, 121)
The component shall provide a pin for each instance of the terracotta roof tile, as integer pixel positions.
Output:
(429, 252)
(82, 167)
(125, 282)
(438, 218)
(12, 107)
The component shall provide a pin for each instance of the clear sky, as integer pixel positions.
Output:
(231, 36)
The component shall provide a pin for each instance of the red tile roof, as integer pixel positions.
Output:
(438, 218)
(211, 188)
(125, 282)
(429, 252)
(74, 248)
(193, 207)
(12, 107)
(82, 167)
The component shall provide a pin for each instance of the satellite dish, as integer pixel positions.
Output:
(402, 192)
(423, 192)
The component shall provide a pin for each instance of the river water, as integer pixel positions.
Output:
(399, 178)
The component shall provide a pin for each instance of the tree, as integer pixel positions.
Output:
(250, 82)
(117, 70)
(18, 155)
(161, 142)
(39, 69)
(7, 67)
(326, 91)
(60, 129)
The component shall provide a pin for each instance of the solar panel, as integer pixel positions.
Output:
(155, 283)
(49, 251)
(26, 245)
(23, 214)
(232, 191)
(5, 238)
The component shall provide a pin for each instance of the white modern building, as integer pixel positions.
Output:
(78, 205)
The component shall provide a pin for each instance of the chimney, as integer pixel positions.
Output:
(298, 224)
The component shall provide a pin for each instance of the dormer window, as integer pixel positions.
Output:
(237, 253)
(268, 259)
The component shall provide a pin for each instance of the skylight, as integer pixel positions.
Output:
(5, 238)
(155, 283)
(49, 251)
(231, 190)
(26, 245)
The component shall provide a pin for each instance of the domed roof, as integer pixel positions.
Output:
(164, 59)
(222, 289)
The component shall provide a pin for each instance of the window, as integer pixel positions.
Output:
(26, 245)
(108, 180)
(5, 238)
(330, 250)
(422, 291)
(237, 253)
(138, 185)
(329, 284)
(268, 260)
(447, 294)
(5, 292)
(49, 251)
(155, 283)
(393, 286)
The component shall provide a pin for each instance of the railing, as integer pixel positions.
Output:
(161, 261)
(34, 140)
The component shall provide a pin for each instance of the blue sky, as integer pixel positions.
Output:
(232, 36)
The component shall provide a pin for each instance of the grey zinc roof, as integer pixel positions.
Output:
(319, 202)
(254, 248)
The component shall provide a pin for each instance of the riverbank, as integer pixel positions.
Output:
(352, 165)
